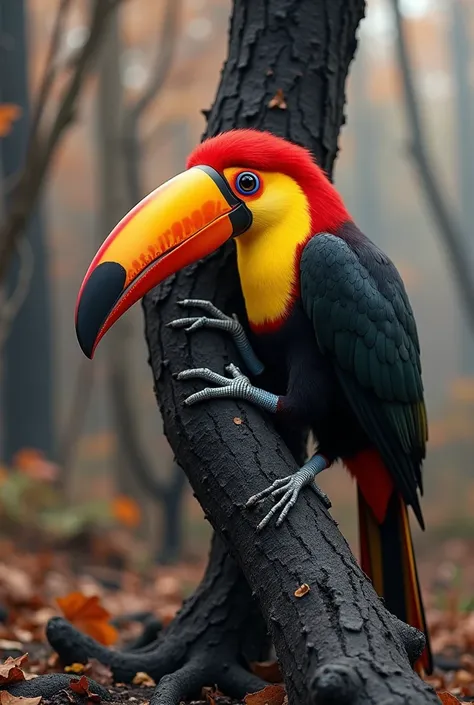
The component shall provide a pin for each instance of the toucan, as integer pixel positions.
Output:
(329, 321)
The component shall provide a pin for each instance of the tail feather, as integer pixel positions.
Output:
(387, 557)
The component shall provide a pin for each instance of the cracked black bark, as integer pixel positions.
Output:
(337, 644)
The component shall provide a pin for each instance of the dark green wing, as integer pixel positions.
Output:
(362, 318)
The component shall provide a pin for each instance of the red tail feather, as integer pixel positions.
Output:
(386, 546)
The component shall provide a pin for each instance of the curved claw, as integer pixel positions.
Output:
(198, 322)
(260, 496)
(234, 371)
(289, 487)
(184, 322)
(285, 504)
(207, 306)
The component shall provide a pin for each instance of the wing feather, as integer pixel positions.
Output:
(363, 319)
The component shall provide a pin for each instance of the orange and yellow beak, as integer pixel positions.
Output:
(185, 219)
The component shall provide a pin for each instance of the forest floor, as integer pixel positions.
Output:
(109, 604)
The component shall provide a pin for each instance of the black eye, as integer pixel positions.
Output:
(247, 183)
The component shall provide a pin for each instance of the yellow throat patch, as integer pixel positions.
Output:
(266, 253)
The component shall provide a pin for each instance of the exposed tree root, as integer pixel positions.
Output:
(215, 633)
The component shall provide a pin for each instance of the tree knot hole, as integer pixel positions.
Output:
(334, 684)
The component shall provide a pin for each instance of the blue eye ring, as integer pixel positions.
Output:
(252, 185)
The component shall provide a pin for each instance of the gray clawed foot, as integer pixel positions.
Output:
(237, 386)
(288, 489)
(232, 387)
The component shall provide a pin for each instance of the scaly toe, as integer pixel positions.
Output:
(260, 496)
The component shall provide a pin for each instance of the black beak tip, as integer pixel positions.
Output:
(88, 352)
(100, 294)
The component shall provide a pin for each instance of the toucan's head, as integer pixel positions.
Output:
(242, 181)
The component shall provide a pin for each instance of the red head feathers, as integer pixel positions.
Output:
(255, 149)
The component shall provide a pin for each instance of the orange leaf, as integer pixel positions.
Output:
(10, 671)
(267, 670)
(81, 687)
(88, 615)
(447, 698)
(76, 668)
(142, 678)
(270, 695)
(24, 458)
(7, 699)
(32, 462)
(302, 590)
(8, 114)
(126, 511)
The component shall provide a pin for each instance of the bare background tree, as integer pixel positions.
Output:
(118, 151)
(25, 314)
(448, 225)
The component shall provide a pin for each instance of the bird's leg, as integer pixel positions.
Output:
(237, 386)
(215, 319)
(288, 489)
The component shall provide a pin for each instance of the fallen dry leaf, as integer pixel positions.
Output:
(99, 672)
(81, 687)
(9, 112)
(9, 644)
(142, 678)
(7, 699)
(126, 511)
(210, 694)
(278, 100)
(270, 695)
(463, 678)
(268, 670)
(302, 590)
(447, 698)
(16, 583)
(75, 668)
(88, 615)
(10, 671)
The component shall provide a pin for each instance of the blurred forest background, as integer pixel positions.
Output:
(85, 464)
